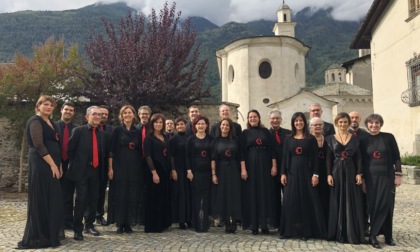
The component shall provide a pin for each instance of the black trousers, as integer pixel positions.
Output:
(87, 190)
(103, 184)
(68, 187)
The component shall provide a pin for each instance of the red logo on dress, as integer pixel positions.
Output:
(344, 154)
(227, 153)
(204, 153)
(321, 155)
(165, 152)
(299, 150)
(57, 137)
(258, 141)
(131, 145)
(377, 155)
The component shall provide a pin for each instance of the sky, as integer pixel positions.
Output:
(217, 11)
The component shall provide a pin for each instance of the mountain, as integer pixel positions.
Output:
(329, 39)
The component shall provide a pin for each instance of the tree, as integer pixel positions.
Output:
(53, 70)
(155, 63)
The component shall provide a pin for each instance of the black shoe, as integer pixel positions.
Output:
(374, 242)
(92, 231)
(265, 231)
(233, 228)
(182, 226)
(128, 229)
(255, 231)
(390, 242)
(78, 236)
(120, 229)
(101, 221)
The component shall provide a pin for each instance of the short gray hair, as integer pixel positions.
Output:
(314, 119)
(275, 111)
(89, 110)
(144, 107)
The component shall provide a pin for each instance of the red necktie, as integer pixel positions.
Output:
(95, 157)
(65, 142)
(277, 137)
(355, 133)
(143, 136)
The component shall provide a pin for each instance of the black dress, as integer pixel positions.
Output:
(198, 158)
(258, 191)
(181, 189)
(323, 187)
(227, 193)
(345, 222)
(157, 196)
(45, 220)
(302, 214)
(126, 163)
(381, 161)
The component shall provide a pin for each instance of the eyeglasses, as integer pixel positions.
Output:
(317, 125)
(96, 114)
(316, 110)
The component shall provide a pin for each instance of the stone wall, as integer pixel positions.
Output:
(10, 146)
(9, 156)
(411, 174)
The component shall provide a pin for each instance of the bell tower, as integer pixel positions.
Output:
(284, 25)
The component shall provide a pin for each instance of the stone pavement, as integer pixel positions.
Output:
(406, 233)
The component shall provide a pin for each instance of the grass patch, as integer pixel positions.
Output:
(410, 160)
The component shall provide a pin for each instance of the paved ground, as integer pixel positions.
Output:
(406, 233)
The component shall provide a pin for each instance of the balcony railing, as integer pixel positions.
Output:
(411, 96)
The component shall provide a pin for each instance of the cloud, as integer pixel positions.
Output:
(217, 11)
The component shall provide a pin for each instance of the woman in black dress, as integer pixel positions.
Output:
(258, 166)
(344, 170)
(124, 166)
(180, 185)
(316, 125)
(382, 174)
(302, 214)
(157, 195)
(226, 176)
(198, 158)
(45, 220)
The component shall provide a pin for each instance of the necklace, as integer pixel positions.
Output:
(345, 139)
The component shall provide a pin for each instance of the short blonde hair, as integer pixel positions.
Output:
(44, 98)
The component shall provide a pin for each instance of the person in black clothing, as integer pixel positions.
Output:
(169, 129)
(180, 185)
(302, 214)
(64, 127)
(258, 167)
(157, 194)
(45, 222)
(103, 173)
(224, 112)
(124, 165)
(382, 174)
(198, 160)
(87, 152)
(279, 135)
(362, 135)
(193, 111)
(315, 110)
(144, 113)
(226, 176)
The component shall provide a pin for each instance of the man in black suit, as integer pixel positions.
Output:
(144, 113)
(315, 110)
(279, 135)
(169, 128)
(86, 152)
(224, 112)
(362, 135)
(103, 173)
(65, 126)
(193, 111)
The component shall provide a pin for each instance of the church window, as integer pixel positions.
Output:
(339, 77)
(265, 70)
(285, 17)
(332, 77)
(412, 95)
(296, 70)
(413, 7)
(231, 74)
(266, 100)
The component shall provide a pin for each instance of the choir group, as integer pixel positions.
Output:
(311, 182)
